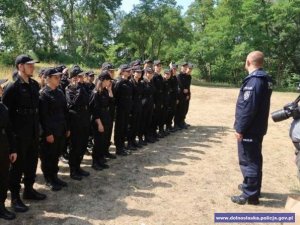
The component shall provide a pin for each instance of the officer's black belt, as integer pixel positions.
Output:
(27, 111)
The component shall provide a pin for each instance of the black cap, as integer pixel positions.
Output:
(52, 72)
(157, 62)
(90, 73)
(124, 67)
(137, 69)
(2, 81)
(190, 66)
(104, 76)
(107, 66)
(184, 64)
(42, 71)
(75, 71)
(149, 70)
(148, 61)
(25, 59)
(61, 68)
(167, 71)
(173, 65)
(137, 62)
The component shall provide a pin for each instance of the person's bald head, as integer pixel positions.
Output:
(255, 60)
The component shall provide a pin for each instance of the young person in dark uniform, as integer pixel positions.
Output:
(78, 105)
(173, 97)
(101, 119)
(7, 155)
(89, 81)
(147, 108)
(158, 83)
(189, 80)
(21, 97)
(167, 99)
(184, 93)
(137, 108)
(112, 107)
(55, 128)
(123, 97)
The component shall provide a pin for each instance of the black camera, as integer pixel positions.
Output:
(290, 110)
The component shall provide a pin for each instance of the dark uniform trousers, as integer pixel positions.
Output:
(101, 141)
(4, 178)
(50, 153)
(135, 123)
(171, 110)
(121, 127)
(181, 109)
(147, 115)
(251, 160)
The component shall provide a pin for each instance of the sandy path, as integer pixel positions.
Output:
(183, 179)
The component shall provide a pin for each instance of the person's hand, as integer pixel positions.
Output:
(187, 97)
(13, 157)
(185, 91)
(50, 139)
(68, 133)
(177, 102)
(100, 128)
(238, 136)
(109, 87)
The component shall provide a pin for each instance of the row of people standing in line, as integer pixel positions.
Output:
(67, 107)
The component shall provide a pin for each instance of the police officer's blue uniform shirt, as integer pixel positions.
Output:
(253, 104)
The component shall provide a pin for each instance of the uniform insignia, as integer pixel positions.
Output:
(270, 85)
(247, 95)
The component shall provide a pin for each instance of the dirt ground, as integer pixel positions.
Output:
(184, 179)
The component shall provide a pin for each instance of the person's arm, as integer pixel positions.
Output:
(45, 118)
(8, 97)
(248, 105)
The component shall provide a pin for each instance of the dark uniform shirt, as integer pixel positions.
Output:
(174, 87)
(158, 83)
(123, 92)
(89, 88)
(64, 82)
(7, 139)
(167, 92)
(22, 101)
(253, 104)
(184, 82)
(137, 94)
(100, 106)
(148, 92)
(53, 112)
(78, 103)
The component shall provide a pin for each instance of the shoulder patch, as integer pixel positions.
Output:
(247, 95)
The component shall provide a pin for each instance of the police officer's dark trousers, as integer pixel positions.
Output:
(121, 127)
(146, 122)
(4, 177)
(181, 110)
(251, 161)
(27, 150)
(49, 155)
(101, 140)
(158, 116)
(79, 140)
(171, 111)
(135, 122)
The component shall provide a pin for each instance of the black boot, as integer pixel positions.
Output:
(96, 166)
(82, 172)
(17, 204)
(5, 214)
(59, 181)
(74, 174)
(110, 156)
(31, 194)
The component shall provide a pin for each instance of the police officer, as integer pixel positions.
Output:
(136, 112)
(78, 105)
(112, 107)
(64, 81)
(22, 100)
(42, 77)
(189, 80)
(7, 155)
(101, 119)
(158, 83)
(184, 95)
(146, 134)
(167, 99)
(55, 128)
(173, 97)
(251, 123)
(123, 91)
(89, 81)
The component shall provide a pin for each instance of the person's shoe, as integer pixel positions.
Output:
(131, 147)
(82, 172)
(75, 176)
(240, 187)
(241, 200)
(160, 135)
(110, 156)
(53, 185)
(122, 152)
(177, 128)
(103, 165)
(142, 142)
(186, 124)
(63, 160)
(31, 194)
(18, 205)
(59, 182)
(5, 214)
(96, 166)
(137, 144)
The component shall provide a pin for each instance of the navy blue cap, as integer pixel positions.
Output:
(137, 69)
(75, 71)
(149, 70)
(167, 71)
(137, 62)
(157, 62)
(61, 68)
(42, 71)
(90, 73)
(25, 59)
(52, 72)
(104, 76)
(148, 61)
(184, 64)
(107, 66)
(190, 66)
(124, 67)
